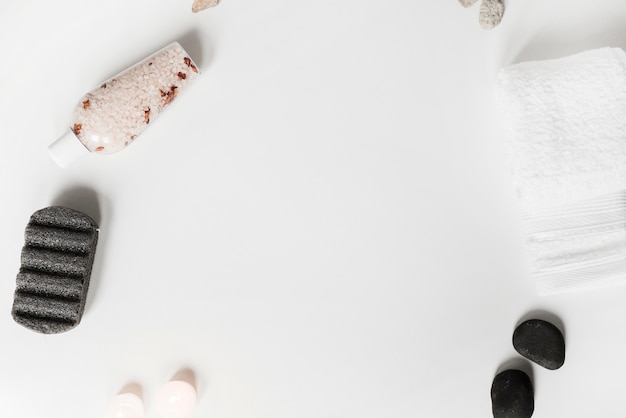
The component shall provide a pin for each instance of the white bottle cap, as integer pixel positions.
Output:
(67, 149)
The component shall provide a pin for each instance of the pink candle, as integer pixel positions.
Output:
(176, 399)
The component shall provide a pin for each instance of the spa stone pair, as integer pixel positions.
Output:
(512, 390)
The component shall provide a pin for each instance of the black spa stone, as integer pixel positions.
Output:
(512, 395)
(540, 342)
(56, 261)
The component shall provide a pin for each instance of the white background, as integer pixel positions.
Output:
(322, 226)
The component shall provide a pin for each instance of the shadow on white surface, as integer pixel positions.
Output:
(133, 388)
(192, 41)
(185, 375)
(552, 44)
(81, 198)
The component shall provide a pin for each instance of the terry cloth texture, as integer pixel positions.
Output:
(56, 261)
(565, 125)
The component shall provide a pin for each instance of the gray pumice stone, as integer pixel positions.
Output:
(512, 395)
(52, 283)
(541, 342)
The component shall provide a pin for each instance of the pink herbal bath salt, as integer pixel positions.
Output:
(114, 114)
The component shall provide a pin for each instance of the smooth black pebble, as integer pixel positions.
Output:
(541, 342)
(512, 395)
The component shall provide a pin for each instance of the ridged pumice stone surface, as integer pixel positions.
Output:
(56, 261)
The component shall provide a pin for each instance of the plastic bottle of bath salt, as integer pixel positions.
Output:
(114, 114)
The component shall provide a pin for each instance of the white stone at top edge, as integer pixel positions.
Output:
(67, 149)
